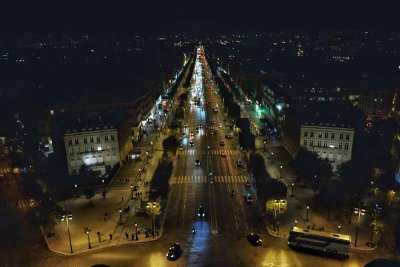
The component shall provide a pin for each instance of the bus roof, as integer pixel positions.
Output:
(321, 233)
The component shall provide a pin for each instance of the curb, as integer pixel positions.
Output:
(102, 248)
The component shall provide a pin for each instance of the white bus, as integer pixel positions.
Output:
(318, 241)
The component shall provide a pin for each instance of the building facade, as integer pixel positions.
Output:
(94, 148)
(376, 104)
(329, 141)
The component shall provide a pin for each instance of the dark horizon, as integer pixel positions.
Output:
(198, 18)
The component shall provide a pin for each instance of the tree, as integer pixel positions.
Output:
(159, 185)
(330, 196)
(46, 213)
(305, 165)
(257, 166)
(377, 226)
(170, 144)
(89, 193)
(356, 175)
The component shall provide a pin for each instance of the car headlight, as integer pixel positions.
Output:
(198, 214)
(204, 214)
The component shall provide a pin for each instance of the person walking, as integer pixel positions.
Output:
(133, 236)
(126, 235)
(110, 237)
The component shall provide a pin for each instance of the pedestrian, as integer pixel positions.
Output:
(122, 199)
(133, 237)
(99, 236)
(110, 237)
(126, 235)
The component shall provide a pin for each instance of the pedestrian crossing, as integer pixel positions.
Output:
(205, 179)
(5, 170)
(13, 205)
(209, 152)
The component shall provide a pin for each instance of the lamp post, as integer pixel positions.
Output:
(104, 188)
(87, 232)
(358, 212)
(131, 191)
(140, 175)
(308, 208)
(292, 190)
(152, 146)
(278, 203)
(153, 209)
(281, 167)
(67, 217)
(295, 223)
(272, 157)
(338, 229)
(136, 232)
(265, 142)
(120, 215)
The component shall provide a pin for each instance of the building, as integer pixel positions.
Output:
(94, 148)
(329, 140)
(376, 104)
(328, 129)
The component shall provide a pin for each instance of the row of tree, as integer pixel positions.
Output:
(233, 109)
(267, 187)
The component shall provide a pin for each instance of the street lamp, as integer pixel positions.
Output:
(153, 209)
(358, 212)
(67, 217)
(278, 207)
(308, 208)
(292, 190)
(140, 176)
(120, 215)
(87, 232)
(131, 191)
(265, 142)
(152, 146)
(272, 156)
(281, 171)
(338, 229)
(136, 232)
(295, 223)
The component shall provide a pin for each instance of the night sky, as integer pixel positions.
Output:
(199, 17)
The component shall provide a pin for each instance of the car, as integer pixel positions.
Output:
(228, 136)
(197, 162)
(223, 154)
(247, 183)
(254, 239)
(201, 126)
(174, 252)
(220, 125)
(248, 198)
(191, 143)
(185, 125)
(201, 212)
(213, 121)
(239, 164)
(197, 129)
(222, 143)
(180, 147)
(190, 134)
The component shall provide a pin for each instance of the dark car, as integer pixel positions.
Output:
(201, 212)
(174, 252)
(228, 136)
(248, 183)
(254, 239)
(248, 198)
(239, 164)
(197, 162)
(222, 143)
(191, 143)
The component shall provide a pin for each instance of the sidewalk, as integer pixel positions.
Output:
(297, 210)
(103, 215)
